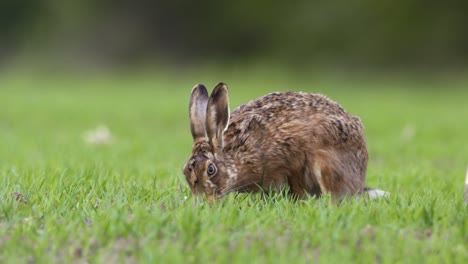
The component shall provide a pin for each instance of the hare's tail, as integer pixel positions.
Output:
(466, 186)
(375, 193)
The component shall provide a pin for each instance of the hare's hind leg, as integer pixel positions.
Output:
(332, 176)
(322, 174)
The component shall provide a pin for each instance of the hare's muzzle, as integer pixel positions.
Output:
(211, 198)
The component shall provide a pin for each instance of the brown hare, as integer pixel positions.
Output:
(305, 142)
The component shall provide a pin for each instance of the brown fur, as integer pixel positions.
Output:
(303, 141)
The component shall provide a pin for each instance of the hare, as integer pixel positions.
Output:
(304, 142)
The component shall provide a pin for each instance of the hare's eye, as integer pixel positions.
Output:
(211, 170)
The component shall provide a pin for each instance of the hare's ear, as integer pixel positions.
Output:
(217, 116)
(197, 111)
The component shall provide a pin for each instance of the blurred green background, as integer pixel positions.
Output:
(332, 35)
(94, 128)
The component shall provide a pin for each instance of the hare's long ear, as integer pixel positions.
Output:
(197, 111)
(217, 116)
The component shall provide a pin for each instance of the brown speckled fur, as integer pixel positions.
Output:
(306, 142)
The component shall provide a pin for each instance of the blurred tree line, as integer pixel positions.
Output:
(355, 32)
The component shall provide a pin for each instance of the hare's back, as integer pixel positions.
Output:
(287, 106)
(294, 113)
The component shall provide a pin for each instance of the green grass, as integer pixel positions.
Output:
(62, 200)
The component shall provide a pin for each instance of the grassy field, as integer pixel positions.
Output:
(65, 200)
